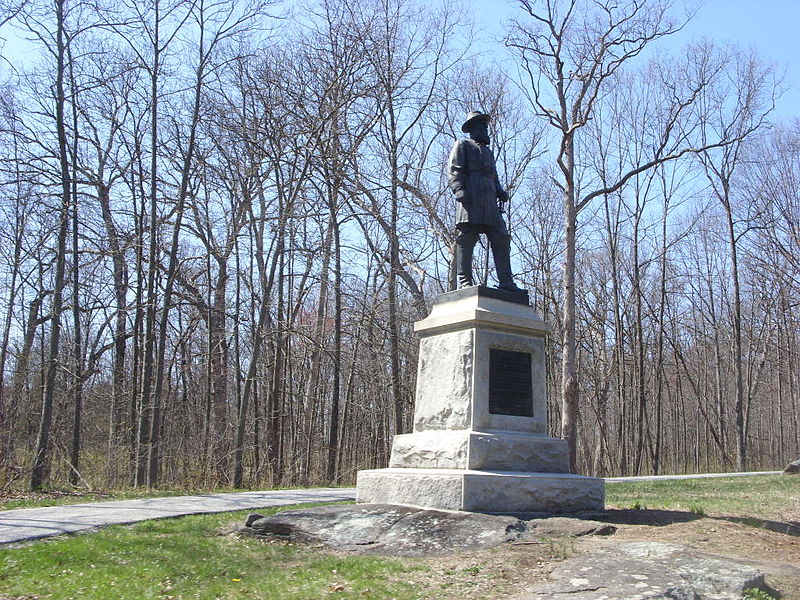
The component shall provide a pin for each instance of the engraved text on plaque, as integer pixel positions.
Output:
(510, 384)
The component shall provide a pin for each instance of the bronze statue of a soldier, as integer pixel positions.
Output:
(474, 181)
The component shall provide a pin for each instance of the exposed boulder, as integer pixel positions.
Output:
(633, 570)
(647, 571)
(389, 529)
(793, 468)
(565, 526)
(252, 518)
(406, 531)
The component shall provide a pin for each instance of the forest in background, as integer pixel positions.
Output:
(219, 220)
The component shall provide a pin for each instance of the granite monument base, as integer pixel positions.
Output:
(479, 441)
(481, 451)
(482, 491)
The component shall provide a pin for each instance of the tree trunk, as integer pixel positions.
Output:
(267, 280)
(137, 358)
(77, 374)
(659, 366)
(741, 437)
(41, 454)
(148, 358)
(312, 398)
(120, 274)
(641, 398)
(275, 397)
(333, 432)
(219, 371)
(394, 267)
(569, 376)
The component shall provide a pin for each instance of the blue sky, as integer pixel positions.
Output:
(770, 27)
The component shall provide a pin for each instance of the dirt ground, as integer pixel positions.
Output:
(771, 545)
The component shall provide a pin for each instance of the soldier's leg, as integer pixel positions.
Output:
(466, 238)
(500, 241)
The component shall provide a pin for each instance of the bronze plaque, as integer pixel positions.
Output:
(510, 384)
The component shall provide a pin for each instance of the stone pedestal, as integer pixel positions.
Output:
(479, 441)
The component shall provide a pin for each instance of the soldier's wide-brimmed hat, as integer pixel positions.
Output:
(474, 117)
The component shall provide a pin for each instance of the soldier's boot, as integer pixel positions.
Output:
(501, 250)
(465, 244)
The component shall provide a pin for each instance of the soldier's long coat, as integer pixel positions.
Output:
(472, 168)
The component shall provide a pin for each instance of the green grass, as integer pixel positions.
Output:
(189, 558)
(756, 594)
(761, 496)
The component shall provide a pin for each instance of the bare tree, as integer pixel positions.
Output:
(739, 107)
(9, 9)
(159, 26)
(258, 217)
(41, 455)
(569, 53)
(409, 56)
(17, 217)
(109, 118)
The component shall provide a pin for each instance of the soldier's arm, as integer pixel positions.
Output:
(457, 169)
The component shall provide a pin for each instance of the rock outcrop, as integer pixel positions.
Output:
(406, 531)
(793, 468)
(647, 571)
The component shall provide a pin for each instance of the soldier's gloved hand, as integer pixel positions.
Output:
(459, 195)
(502, 196)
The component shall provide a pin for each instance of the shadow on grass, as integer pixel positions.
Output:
(791, 528)
(660, 518)
(645, 516)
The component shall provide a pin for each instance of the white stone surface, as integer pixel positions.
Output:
(503, 451)
(453, 379)
(460, 456)
(486, 491)
(481, 491)
(434, 488)
(445, 382)
(431, 450)
(480, 310)
(493, 451)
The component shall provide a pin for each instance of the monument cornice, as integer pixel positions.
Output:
(479, 306)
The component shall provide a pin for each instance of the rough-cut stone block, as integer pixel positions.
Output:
(445, 382)
(501, 451)
(492, 451)
(462, 456)
(453, 372)
(431, 450)
(425, 488)
(532, 492)
(482, 491)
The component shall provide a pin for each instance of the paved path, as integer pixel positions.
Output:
(24, 524)
(697, 476)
